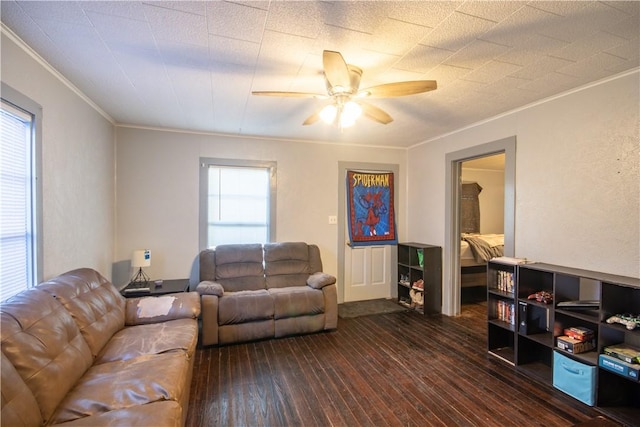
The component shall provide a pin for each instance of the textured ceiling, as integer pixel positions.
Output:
(193, 65)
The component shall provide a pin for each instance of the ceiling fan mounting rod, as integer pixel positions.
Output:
(341, 99)
(340, 90)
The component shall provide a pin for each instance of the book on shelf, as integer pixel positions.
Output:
(505, 312)
(505, 281)
(510, 260)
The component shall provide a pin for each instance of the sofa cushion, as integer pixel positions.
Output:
(207, 263)
(44, 344)
(157, 414)
(299, 325)
(315, 260)
(155, 309)
(251, 331)
(245, 306)
(19, 406)
(286, 264)
(126, 384)
(296, 301)
(156, 338)
(239, 267)
(93, 302)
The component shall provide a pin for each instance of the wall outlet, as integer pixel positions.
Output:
(333, 219)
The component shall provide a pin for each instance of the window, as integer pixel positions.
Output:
(237, 202)
(20, 253)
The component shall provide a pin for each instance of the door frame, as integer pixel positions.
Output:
(451, 283)
(342, 216)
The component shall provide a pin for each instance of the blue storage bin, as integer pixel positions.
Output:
(574, 378)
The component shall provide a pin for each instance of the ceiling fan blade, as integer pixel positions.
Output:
(375, 113)
(399, 89)
(312, 119)
(289, 94)
(336, 70)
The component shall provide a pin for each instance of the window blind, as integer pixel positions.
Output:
(238, 205)
(17, 185)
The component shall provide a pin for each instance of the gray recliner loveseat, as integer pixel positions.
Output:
(254, 291)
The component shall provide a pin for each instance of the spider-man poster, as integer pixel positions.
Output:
(370, 208)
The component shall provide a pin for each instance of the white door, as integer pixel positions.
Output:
(367, 271)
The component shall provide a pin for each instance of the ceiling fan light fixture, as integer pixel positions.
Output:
(350, 113)
(328, 113)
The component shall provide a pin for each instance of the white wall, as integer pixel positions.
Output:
(491, 197)
(158, 191)
(577, 178)
(77, 167)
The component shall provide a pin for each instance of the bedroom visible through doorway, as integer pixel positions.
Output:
(481, 221)
(454, 160)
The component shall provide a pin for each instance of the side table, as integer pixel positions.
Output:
(156, 288)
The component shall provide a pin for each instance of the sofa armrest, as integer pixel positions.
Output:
(320, 280)
(330, 294)
(209, 329)
(151, 309)
(207, 287)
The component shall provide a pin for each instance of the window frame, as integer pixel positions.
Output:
(28, 106)
(205, 163)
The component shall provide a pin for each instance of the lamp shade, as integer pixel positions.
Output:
(141, 258)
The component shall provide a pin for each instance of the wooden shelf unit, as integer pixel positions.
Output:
(529, 345)
(411, 269)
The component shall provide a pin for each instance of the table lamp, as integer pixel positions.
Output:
(141, 258)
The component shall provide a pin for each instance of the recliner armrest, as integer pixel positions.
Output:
(152, 309)
(207, 287)
(320, 280)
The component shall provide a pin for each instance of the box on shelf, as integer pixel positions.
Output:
(579, 333)
(574, 378)
(613, 364)
(623, 352)
(573, 345)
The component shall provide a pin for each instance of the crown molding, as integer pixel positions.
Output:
(6, 31)
(531, 105)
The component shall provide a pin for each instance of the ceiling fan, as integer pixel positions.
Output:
(343, 88)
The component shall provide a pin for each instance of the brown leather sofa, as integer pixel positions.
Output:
(254, 291)
(75, 351)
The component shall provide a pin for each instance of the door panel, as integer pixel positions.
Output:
(367, 274)
(379, 262)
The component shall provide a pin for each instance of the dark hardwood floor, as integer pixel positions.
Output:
(398, 369)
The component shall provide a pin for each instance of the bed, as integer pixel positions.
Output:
(475, 251)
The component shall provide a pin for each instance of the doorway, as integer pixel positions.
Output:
(451, 272)
(481, 217)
